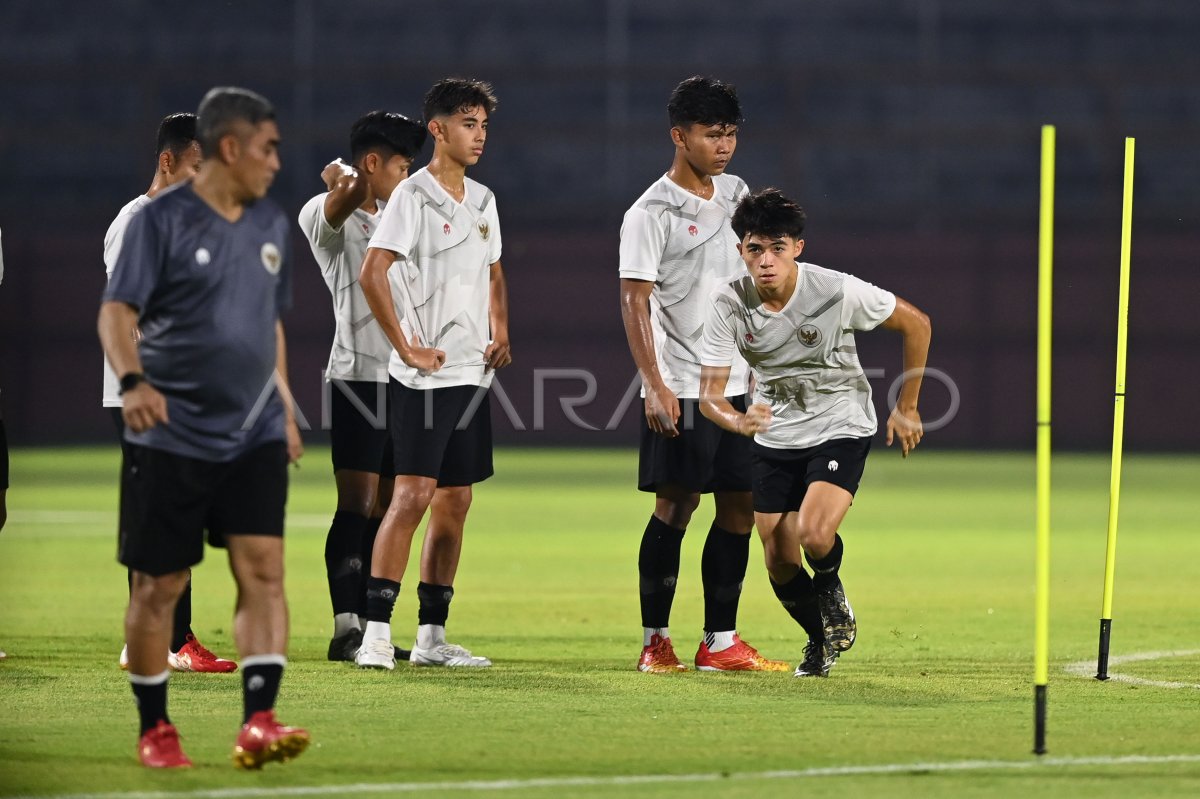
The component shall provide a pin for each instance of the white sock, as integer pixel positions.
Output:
(648, 632)
(718, 642)
(430, 635)
(377, 629)
(344, 623)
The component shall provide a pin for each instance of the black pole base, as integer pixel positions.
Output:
(1039, 719)
(1102, 657)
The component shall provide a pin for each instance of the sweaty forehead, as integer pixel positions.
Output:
(765, 240)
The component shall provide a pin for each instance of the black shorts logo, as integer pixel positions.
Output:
(809, 335)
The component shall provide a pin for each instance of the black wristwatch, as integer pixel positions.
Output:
(130, 380)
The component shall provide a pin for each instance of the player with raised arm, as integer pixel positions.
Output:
(676, 247)
(436, 254)
(339, 224)
(178, 158)
(204, 273)
(812, 419)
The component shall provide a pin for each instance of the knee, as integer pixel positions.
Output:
(414, 497)
(815, 536)
(676, 511)
(781, 564)
(157, 591)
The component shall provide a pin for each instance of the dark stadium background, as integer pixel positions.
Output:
(908, 128)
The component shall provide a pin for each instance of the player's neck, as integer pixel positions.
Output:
(219, 192)
(774, 299)
(686, 177)
(450, 174)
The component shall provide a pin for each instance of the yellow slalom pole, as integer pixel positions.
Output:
(1114, 484)
(1042, 570)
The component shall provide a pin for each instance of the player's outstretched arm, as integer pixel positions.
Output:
(143, 405)
(374, 282)
(662, 406)
(905, 421)
(498, 353)
(347, 191)
(717, 408)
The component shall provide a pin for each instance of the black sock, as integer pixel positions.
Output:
(658, 569)
(800, 600)
(434, 603)
(343, 561)
(368, 546)
(183, 618)
(151, 699)
(825, 570)
(260, 683)
(381, 598)
(723, 568)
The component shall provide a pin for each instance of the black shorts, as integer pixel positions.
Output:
(444, 433)
(168, 501)
(702, 459)
(358, 426)
(782, 476)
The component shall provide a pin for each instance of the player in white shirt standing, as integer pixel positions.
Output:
(339, 224)
(812, 419)
(436, 254)
(676, 247)
(178, 159)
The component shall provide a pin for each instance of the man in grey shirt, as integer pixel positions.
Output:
(203, 274)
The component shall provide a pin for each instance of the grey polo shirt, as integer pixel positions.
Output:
(208, 293)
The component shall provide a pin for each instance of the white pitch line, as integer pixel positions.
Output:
(641, 779)
(1087, 668)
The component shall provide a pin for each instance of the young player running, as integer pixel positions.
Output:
(812, 419)
(676, 247)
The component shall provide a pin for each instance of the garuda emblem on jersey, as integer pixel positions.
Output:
(271, 259)
(484, 230)
(809, 336)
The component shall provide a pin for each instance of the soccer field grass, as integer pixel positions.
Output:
(935, 699)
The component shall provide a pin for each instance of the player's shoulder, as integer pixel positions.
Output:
(738, 292)
(313, 204)
(730, 186)
(420, 186)
(812, 273)
(121, 220)
(656, 199)
(478, 194)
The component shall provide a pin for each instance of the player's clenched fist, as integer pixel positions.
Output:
(756, 419)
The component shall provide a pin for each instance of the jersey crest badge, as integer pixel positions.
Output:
(271, 259)
(484, 230)
(809, 335)
(446, 228)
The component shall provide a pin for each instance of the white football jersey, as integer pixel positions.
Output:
(442, 276)
(804, 359)
(684, 244)
(112, 249)
(360, 349)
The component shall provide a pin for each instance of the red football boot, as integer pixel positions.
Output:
(159, 748)
(263, 739)
(659, 657)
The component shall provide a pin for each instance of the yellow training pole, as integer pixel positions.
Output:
(1114, 484)
(1041, 648)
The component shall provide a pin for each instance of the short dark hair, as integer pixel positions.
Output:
(176, 133)
(222, 108)
(701, 100)
(451, 95)
(395, 134)
(768, 213)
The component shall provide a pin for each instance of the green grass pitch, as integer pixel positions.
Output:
(939, 566)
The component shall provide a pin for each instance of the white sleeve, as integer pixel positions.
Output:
(318, 231)
(494, 239)
(642, 244)
(865, 306)
(112, 241)
(719, 343)
(399, 224)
